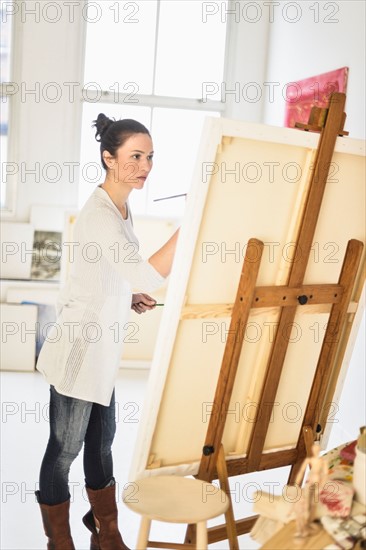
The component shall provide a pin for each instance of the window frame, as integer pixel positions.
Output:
(153, 100)
(9, 208)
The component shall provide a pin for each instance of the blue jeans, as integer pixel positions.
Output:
(74, 422)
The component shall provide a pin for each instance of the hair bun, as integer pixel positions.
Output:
(102, 124)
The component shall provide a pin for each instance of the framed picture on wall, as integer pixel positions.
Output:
(50, 230)
(46, 257)
(304, 94)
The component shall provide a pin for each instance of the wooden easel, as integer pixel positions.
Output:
(288, 298)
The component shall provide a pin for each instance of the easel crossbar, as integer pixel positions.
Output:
(272, 296)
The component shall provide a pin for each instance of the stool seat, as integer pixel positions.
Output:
(175, 499)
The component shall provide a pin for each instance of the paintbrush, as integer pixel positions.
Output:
(171, 197)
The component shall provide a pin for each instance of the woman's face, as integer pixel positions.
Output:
(133, 161)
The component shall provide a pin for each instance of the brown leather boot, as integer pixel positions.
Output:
(56, 525)
(102, 521)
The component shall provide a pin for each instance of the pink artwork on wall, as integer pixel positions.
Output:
(304, 94)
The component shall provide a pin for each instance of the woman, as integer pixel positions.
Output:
(81, 355)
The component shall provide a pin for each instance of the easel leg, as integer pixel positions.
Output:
(229, 515)
(330, 347)
(308, 435)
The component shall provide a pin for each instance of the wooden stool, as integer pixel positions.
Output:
(175, 500)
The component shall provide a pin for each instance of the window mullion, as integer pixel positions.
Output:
(144, 100)
(8, 209)
(156, 45)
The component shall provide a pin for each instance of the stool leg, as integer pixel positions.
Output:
(201, 536)
(143, 535)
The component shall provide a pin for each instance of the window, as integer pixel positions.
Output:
(5, 74)
(152, 60)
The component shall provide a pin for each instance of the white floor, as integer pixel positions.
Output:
(24, 435)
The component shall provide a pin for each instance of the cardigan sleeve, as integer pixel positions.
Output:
(113, 244)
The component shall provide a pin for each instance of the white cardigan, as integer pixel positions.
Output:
(82, 351)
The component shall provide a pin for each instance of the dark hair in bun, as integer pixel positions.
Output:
(113, 133)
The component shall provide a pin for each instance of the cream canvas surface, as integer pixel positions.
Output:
(250, 181)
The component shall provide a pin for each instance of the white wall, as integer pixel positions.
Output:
(46, 124)
(326, 37)
(321, 41)
(243, 90)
